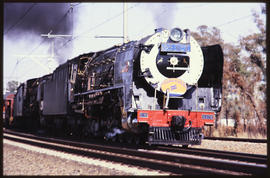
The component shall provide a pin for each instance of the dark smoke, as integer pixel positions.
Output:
(40, 19)
(163, 13)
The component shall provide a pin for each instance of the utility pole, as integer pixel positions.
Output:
(125, 36)
(54, 36)
(125, 40)
(49, 57)
(49, 35)
(72, 23)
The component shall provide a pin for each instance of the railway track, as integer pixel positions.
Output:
(167, 159)
(237, 139)
(234, 156)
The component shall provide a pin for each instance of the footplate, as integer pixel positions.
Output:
(165, 135)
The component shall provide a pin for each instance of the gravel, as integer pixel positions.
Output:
(23, 159)
(243, 147)
(18, 160)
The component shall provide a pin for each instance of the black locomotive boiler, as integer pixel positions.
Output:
(161, 89)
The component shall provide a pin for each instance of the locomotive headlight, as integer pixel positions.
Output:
(176, 34)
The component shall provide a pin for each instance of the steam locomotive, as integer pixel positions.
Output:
(162, 89)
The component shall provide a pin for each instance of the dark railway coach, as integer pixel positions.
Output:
(161, 89)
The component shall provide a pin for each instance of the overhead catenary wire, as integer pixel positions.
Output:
(78, 5)
(54, 28)
(166, 9)
(82, 5)
(107, 20)
(234, 20)
(34, 49)
(74, 5)
(98, 25)
(195, 6)
(20, 19)
(28, 54)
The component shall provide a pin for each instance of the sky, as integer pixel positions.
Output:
(27, 54)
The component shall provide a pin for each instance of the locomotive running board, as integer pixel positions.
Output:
(165, 135)
(100, 90)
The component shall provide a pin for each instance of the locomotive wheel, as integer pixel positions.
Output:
(7, 122)
(184, 146)
(42, 122)
(128, 138)
(95, 127)
(120, 138)
(86, 128)
(114, 139)
(137, 140)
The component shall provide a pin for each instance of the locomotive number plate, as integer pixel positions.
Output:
(175, 47)
(143, 115)
(204, 116)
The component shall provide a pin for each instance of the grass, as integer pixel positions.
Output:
(240, 132)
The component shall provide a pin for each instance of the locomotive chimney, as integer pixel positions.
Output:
(158, 30)
(187, 31)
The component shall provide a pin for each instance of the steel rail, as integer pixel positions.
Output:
(178, 164)
(245, 157)
(237, 139)
(126, 159)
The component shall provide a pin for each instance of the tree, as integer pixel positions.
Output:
(239, 72)
(255, 46)
(209, 36)
(206, 36)
(12, 86)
